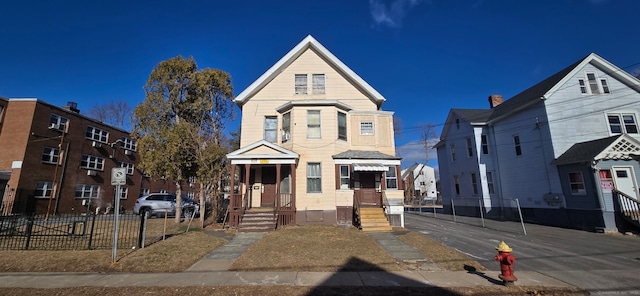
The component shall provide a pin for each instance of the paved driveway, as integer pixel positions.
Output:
(604, 264)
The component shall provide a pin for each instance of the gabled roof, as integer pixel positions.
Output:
(278, 152)
(547, 87)
(615, 147)
(539, 92)
(308, 43)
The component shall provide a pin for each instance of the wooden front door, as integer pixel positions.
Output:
(268, 196)
(368, 194)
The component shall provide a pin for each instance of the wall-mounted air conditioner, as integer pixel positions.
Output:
(286, 136)
(91, 173)
(128, 152)
(54, 126)
(96, 144)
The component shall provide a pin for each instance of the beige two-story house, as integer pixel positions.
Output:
(316, 146)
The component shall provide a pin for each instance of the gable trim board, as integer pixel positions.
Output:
(308, 43)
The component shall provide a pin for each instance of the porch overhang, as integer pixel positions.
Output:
(263, 153)
(369, 167)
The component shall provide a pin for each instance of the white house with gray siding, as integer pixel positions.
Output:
(514, 152)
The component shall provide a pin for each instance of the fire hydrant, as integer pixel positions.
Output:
(506, 261)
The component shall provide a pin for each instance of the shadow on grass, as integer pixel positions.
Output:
(375, 281)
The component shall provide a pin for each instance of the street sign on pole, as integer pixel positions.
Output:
(119, 176)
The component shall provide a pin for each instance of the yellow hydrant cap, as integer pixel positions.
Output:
(503, 247)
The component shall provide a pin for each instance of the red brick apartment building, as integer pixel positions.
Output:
(54, 160)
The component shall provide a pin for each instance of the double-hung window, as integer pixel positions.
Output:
(516, 144)
(92, 162)
(474, 183)
(50, 155)
(58, 122)
(391, 177)
(286, 127)
(87, 191)
(123, 192)
(129, 144)
(620, 123)
(128, 166)
(313, 124)
(452, 150)
(485, 144)
(469, 147)
(344, 177)
(317, 84)
(576, 182)
(271, 129)
(96, 134)
(314, 177)
(301, 84)
(43, 189)
(342, 126)
(490, 182)
(456, 184)
(593, 85)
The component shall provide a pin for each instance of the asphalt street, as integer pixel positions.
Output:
(603, 263)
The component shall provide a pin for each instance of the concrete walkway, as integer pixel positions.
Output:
(212, 270)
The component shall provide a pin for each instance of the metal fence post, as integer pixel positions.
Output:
(29, 229)
(142, 230)
(453, 207)
(93, 223)
(481, 212)
(521, 220)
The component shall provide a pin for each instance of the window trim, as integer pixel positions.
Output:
(53, 155)
(300, 88)
(366, 131)
(128, 143)
(474, 183)
(469, 147)
(342, 135)
(286, 127)
(517, 145)
(93, 191)
(344, 177)
(393, 178)
(314, 126)
(97, 134)
(273, 131)
(490, 182)
(484, 142)
(583, 190)
(622, 124)
(314, 177)
(46, 189)
(58, 122)
(92, 162)
(318, 87)
(129, 166)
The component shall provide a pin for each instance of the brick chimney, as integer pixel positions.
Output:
(495, 100)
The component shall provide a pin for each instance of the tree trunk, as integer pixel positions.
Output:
(178, 217)
(203, 208)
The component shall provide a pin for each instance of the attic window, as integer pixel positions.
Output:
(318, 83)
(592, 85)
(301, 84)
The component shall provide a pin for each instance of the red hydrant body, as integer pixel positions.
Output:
(506, 261)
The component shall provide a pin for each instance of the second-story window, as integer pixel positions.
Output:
(43, 189)
(50, 155)
(129, 144)
(92, 162)
(128, 166)
(87, 191)
(474, 183)
(342, 126)
(313, 124)
(271, 129)
(366, 128)
(452, 149)
(301, 84)
(318, 83)
(592, 85)
(96, 134)
(516, 145)
(622, 123)
(485, 144)
(58, 122)
(469, 147)
(286, 127)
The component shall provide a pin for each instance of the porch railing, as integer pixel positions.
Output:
(286, 211)
(629, 207)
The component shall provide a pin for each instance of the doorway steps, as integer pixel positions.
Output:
(258, 220)
(374, 220)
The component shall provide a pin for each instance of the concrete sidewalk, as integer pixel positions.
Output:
(212, 270)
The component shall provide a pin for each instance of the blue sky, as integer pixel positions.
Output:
(425, 57)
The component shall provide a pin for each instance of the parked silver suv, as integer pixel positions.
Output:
(157, 204)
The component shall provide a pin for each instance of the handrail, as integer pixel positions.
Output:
(629, 206)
